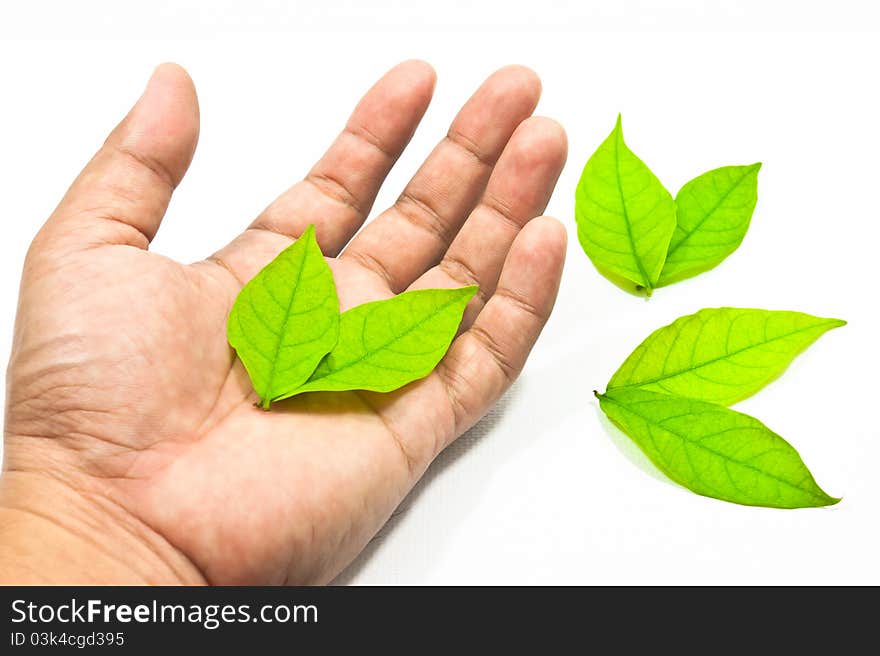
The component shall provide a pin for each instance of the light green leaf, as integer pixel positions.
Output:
(624, 214)
(286, 319)
(713, 215)
(714, 451)
(722, 355)
(386, 344)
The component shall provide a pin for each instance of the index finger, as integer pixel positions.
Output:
(337, 194)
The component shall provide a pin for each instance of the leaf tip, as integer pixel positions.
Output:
(838, 323)
(470, 291)
(755, 167)
(824, 500)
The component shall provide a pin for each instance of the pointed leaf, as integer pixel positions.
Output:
(386, 344)
(715, 451)
(625, 216)
(286, 319)
(713, 215)
(722, 355)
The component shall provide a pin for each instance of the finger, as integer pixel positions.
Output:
(484, 361)
(122, 194)
(519, 189)
(339, 191)
(413, 234)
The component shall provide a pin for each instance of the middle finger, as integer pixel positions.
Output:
(412, 235)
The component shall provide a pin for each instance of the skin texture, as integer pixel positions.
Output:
(134, 452)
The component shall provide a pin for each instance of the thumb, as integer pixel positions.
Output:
(122, 194)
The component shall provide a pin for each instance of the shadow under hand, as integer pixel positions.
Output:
(458, 449)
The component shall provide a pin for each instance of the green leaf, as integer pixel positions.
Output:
(286, 319)
(722, 355)
(625, 216)
(714, 451)
(713, 215)
(386, 344)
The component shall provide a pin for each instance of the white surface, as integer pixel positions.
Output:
(542, 491)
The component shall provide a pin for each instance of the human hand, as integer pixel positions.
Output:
(134, 451)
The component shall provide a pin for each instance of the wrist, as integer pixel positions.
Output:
(53, 532)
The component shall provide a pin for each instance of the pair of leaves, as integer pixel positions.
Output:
(286, 328)
(670, 395)
(638, 237)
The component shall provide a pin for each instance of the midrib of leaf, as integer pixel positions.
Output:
(706, 363)
(723, 456)
(274, 362)
(688, 234)
(629, 234)
(395, 338)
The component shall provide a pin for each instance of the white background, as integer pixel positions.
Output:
(543, 491)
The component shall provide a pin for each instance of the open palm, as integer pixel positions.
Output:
(122, 385)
